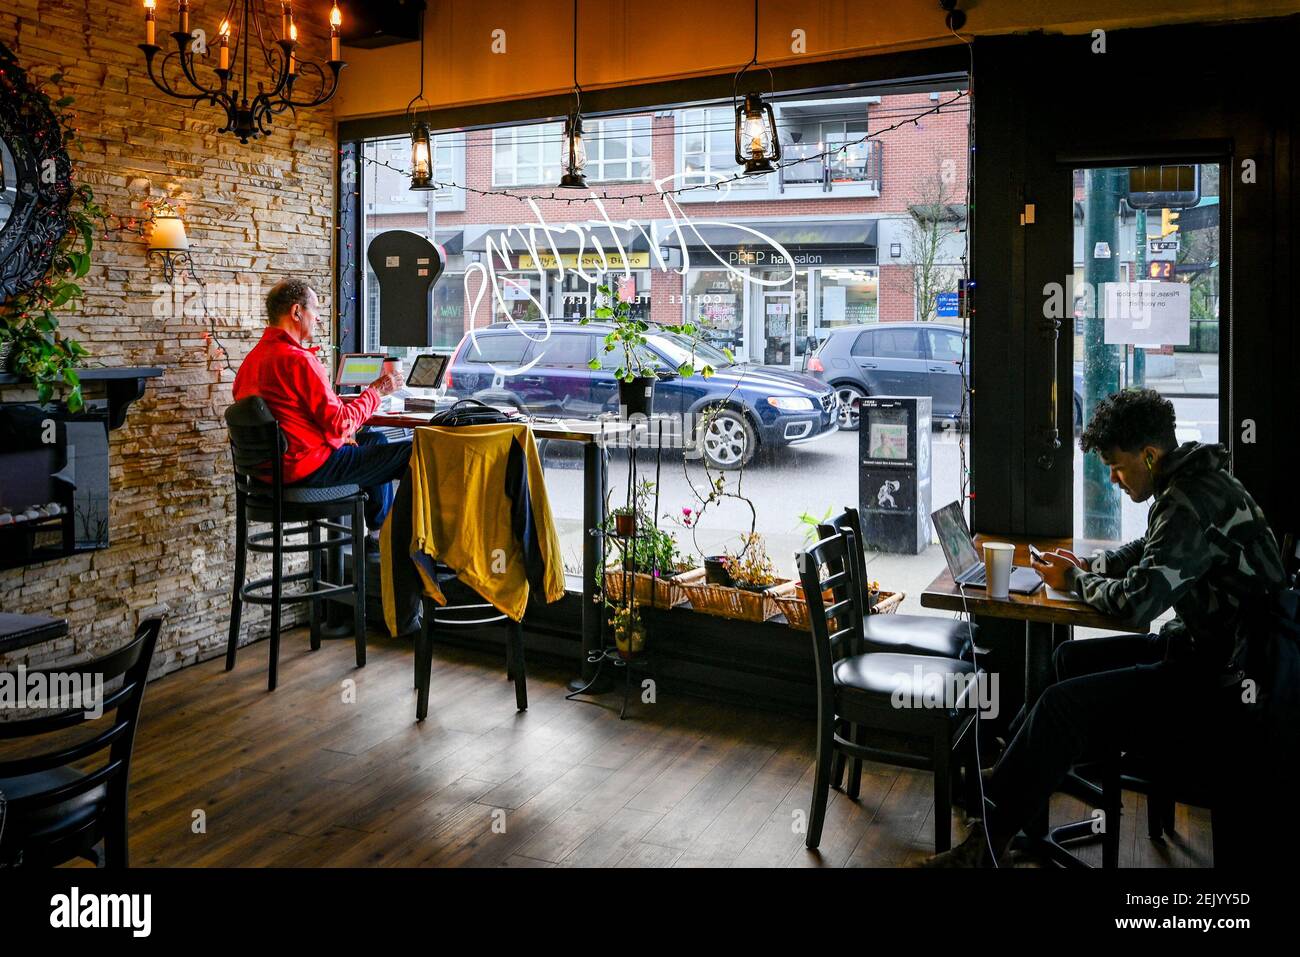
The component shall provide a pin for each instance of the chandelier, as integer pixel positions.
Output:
(248, 114)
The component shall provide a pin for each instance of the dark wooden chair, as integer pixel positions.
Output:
(256, 447)
(54, 812)
(859, 687)
(465, 608)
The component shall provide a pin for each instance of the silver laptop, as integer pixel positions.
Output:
(964, 561)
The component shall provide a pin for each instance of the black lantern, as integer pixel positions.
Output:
(757, 145)
(421, 156)
(575, 154)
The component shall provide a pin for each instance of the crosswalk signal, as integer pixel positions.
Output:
(1167, 224)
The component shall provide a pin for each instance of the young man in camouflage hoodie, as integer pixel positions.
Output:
(1209, 555)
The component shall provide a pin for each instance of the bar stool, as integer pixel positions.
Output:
(257, 442)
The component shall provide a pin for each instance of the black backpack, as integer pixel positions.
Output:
(470, 412)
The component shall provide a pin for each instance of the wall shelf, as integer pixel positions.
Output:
(122, 385)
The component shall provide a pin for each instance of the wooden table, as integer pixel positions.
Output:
(593, 435)
(1048, 621)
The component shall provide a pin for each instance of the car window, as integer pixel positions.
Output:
(498, 347)
(862, 345)
(612, 361)
(945, 345)
(566, 350)
(898, 344)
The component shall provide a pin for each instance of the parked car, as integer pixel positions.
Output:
(761, 406)
(900, 358)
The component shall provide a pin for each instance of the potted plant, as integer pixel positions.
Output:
(625, 521)
(811, 537)
(751, 569)
(640, 368)
(629, 630)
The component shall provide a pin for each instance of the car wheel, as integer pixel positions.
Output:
(729, 440)
(848, 396)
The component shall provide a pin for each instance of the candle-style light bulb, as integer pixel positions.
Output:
(293, 38)
(149, 22)
(225, 44)
(336, 21)
(286, 17)
(185, 16)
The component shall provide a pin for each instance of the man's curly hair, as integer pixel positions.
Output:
(1129, 420)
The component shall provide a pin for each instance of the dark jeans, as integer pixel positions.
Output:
(373, 463)
(1123, 693)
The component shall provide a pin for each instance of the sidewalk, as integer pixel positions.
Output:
(1194, 373)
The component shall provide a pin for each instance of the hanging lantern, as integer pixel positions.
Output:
(575, 154)
(757, 145)
(421, 156)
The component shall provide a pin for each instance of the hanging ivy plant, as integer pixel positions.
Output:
(52, 224)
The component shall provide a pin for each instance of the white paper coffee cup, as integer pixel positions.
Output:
(997, 568)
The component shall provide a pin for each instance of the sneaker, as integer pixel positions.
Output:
(972, 852)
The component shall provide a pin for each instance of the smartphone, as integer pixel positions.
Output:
(1035, 554)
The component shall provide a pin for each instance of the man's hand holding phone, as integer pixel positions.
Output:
(1054, 566)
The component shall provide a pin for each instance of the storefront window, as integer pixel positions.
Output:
(716, 304)
(847, 297)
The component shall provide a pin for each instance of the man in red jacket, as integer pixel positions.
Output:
(320, 428)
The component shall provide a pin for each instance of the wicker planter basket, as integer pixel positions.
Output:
(649, 590)
(795, 608)
(732, 602)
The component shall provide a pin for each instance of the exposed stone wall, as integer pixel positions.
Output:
(254, 213)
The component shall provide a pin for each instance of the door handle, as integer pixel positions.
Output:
(867, 365)
(940, 369)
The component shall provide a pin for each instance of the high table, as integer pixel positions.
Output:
(1047, 619)
(20, 631)
(592, 434)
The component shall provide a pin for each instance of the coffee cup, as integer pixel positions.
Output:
(997, 568)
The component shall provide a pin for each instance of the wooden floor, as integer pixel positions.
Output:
(321, 773)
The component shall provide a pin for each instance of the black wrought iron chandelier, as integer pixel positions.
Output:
(248, 114)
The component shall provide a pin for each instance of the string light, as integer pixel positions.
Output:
(677, 190)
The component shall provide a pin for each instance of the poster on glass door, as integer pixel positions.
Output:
(1148, 313)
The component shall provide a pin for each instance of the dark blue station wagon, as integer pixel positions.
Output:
(547, 372)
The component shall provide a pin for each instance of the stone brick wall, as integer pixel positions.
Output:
(254, 213)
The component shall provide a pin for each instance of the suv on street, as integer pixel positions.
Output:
(546, 371)
(900, 358)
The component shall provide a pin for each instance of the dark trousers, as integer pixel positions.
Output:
(373, 463)
(1123, 693)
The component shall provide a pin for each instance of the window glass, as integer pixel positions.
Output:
(506, 346)
(862, 346)
(898, 344)
(945, 345)
(527, 155)
(716, 306)
(564, 349)
(847, 297)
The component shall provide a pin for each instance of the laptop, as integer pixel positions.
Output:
(964, 561)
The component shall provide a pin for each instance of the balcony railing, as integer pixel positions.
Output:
(859, 165)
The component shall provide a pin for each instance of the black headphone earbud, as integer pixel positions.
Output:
(1150, 462)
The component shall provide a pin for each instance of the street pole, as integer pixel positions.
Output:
(1139, 354)
(1101, 516)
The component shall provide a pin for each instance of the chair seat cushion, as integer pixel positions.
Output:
(48, 822)
(313, 495)
(918, 635)
(887, 679)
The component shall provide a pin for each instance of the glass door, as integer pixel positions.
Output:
(1147, 254)
(778, 327)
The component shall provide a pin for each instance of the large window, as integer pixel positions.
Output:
(618, 149)
(526, 155)
(847, 297)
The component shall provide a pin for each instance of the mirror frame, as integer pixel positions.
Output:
(39, 219)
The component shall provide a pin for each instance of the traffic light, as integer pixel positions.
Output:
(1167, 224)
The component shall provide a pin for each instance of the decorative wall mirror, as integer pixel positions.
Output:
(35, 186)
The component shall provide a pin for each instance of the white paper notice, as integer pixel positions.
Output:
(1148, 313)
(833, 300)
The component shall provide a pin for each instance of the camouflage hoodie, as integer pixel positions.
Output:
(1207, 553)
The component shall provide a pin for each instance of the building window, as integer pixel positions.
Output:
(715, 304)
(619, 149)
(526, 155)
(847, 297)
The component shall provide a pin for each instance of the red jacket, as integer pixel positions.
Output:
(295, 386)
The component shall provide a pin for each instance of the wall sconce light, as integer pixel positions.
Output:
(167, 239)
(895, 250)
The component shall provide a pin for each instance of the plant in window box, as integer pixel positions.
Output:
(639, 370)
(753, 576)
(652, 560)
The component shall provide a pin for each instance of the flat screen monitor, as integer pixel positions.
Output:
(360, 368)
